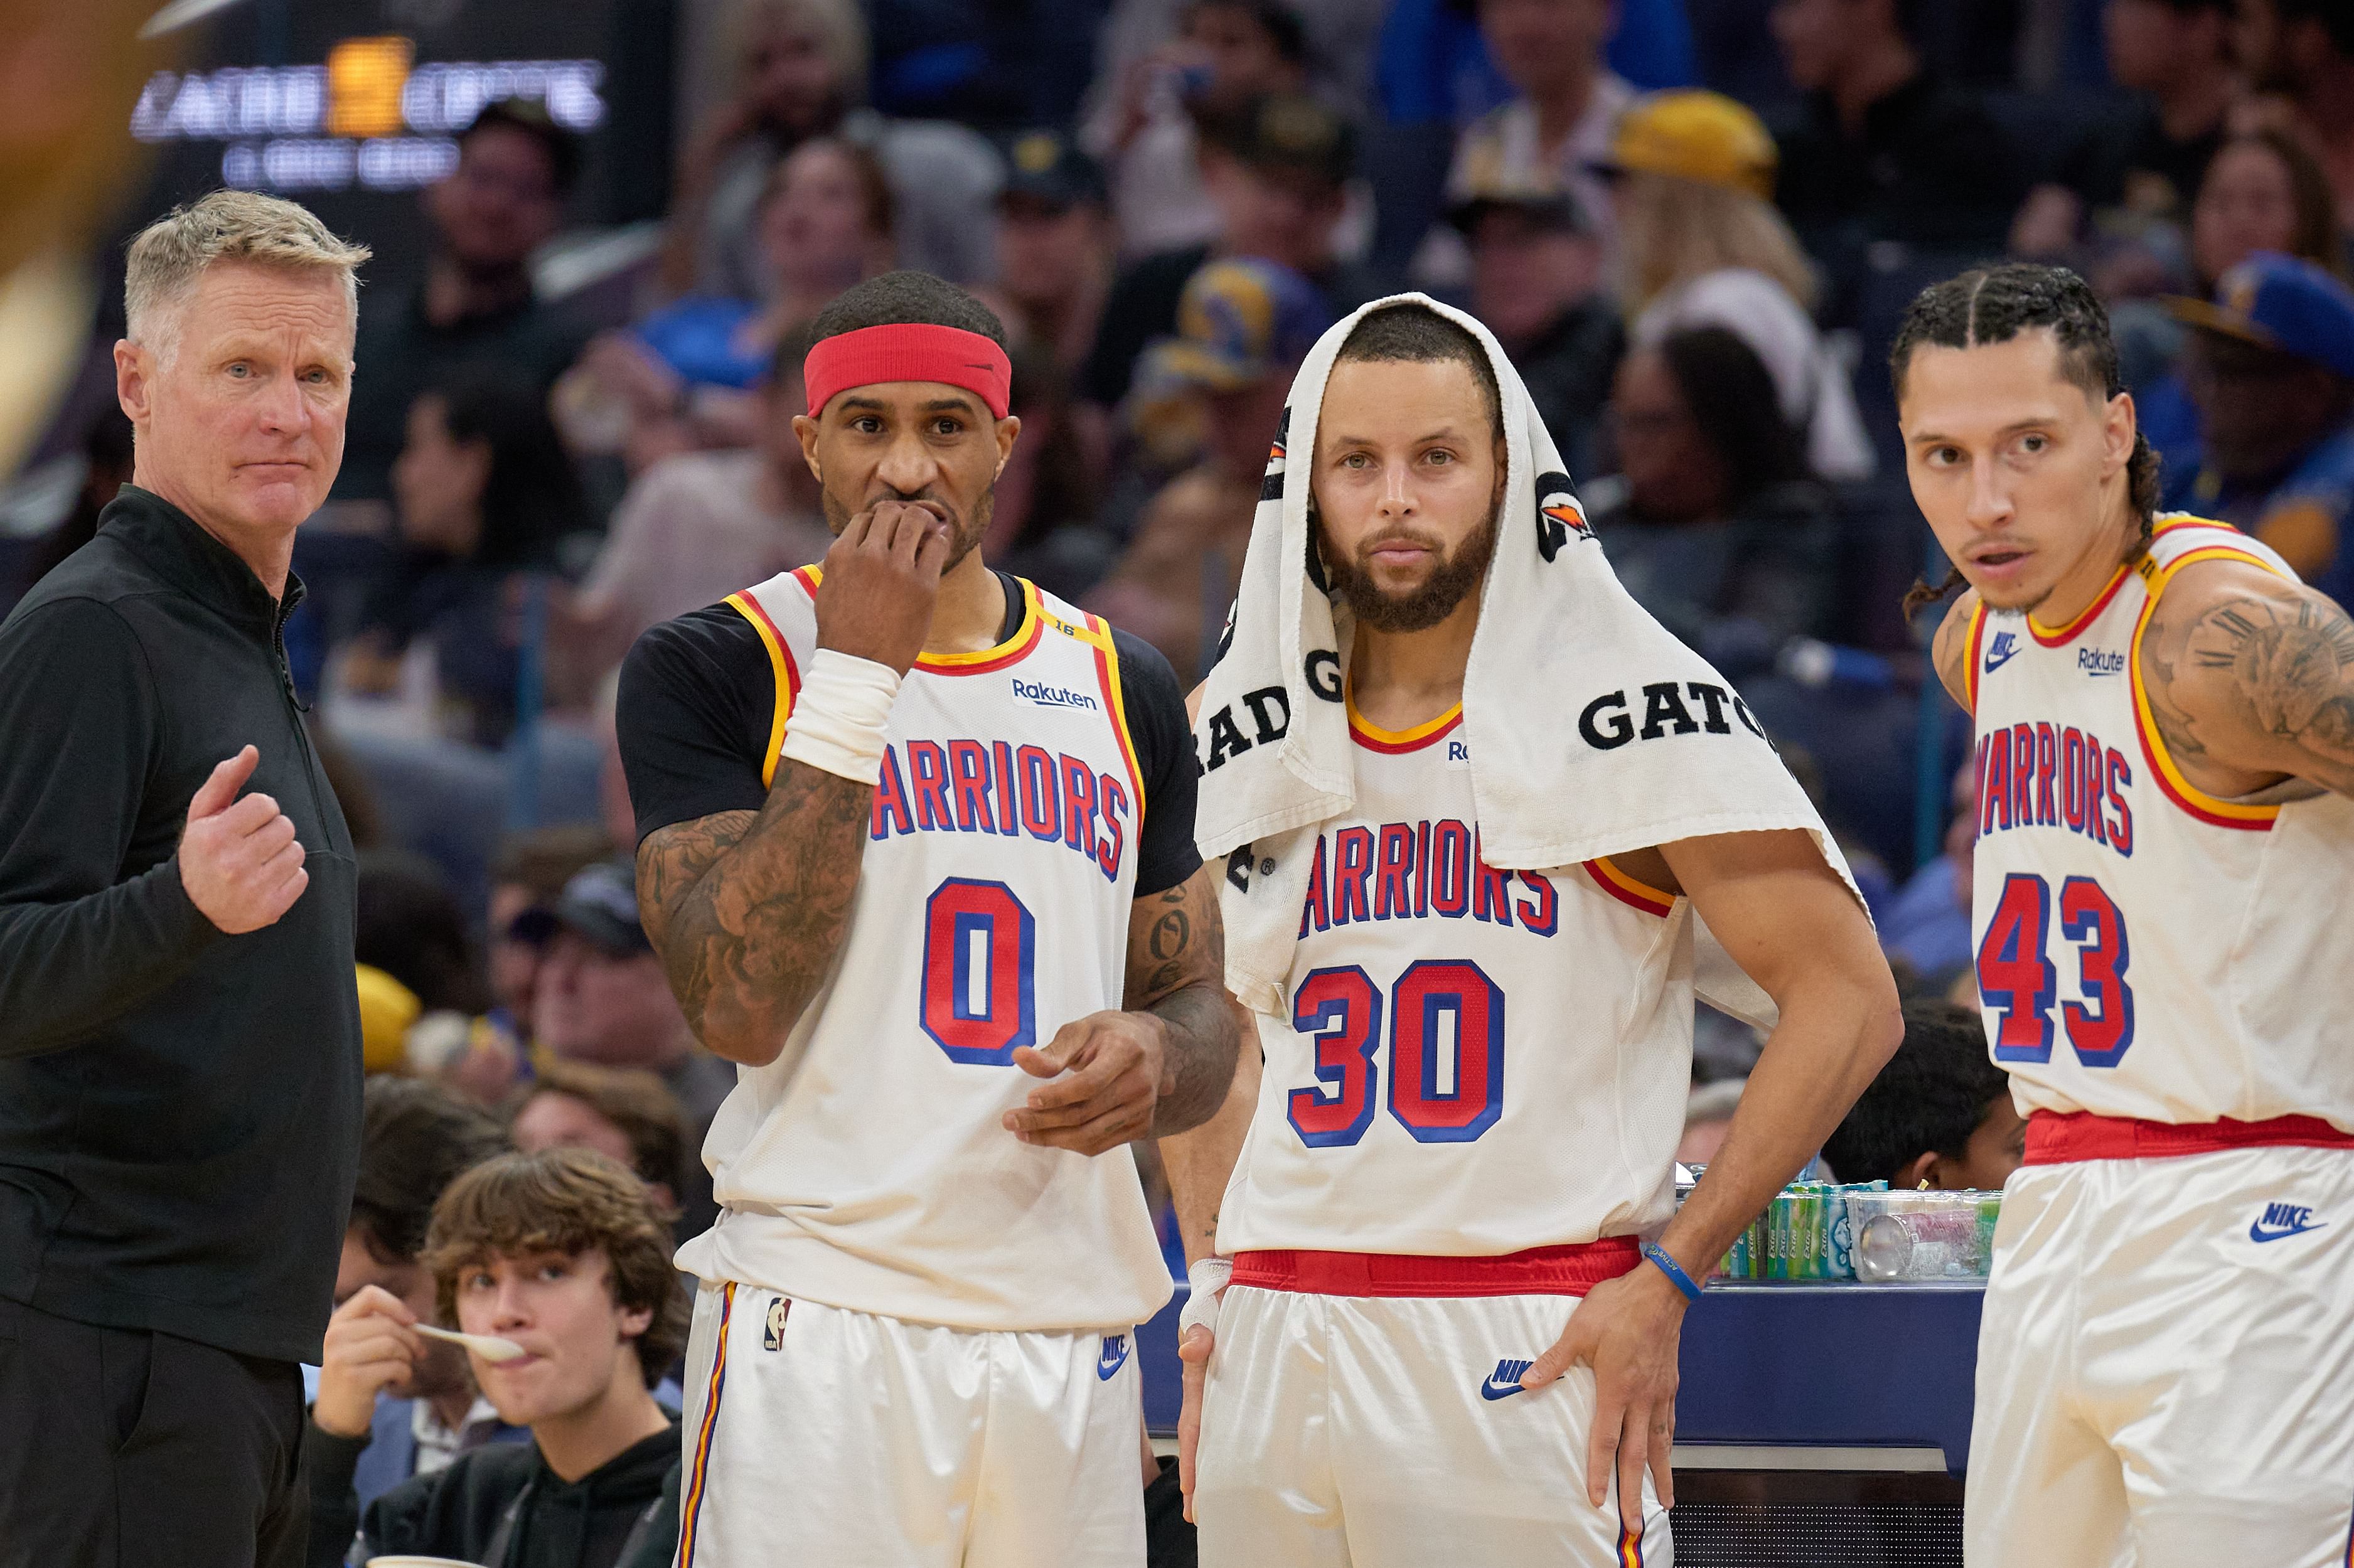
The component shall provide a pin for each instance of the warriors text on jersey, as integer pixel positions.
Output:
(1007, 839)
(2146, 950)
(1475, 1060)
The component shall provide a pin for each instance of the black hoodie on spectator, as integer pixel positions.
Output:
(501, 1506)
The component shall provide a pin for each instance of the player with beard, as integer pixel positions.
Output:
(1388, 1241)
(916, 849)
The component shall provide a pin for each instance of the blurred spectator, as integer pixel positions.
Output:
(1724, 532)
(601, 998)
(1701, 244)
(475, 306)
(623, 1114)
(106, 458)
(2263, 192)
(1552, 135)
(1227, 52)
(825, 223)
(2303, 49)
(527, 880)
(389, 1404)
(563, 1251)
(2271, 370)
(1276, 169)
(798, 70)
(1054, 243)
(698, 525)
(1536, 281)
(1925, 931)
(682, 379)
(1882, 149)
(411, 928)
(2143, 163)
(1939, 1115)
(485, 495)
(1040, 525)
(1243, 329)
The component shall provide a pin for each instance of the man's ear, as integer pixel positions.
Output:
(1009, 430)
(1921, 1170)
(134, 370)
(2119, 422)
(806, 429)
(634, 1321)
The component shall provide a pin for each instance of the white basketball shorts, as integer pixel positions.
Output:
(2165, 1366)
(816, 1435)
(1358, 1431)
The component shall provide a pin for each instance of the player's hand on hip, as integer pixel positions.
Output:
(369, 1346)
(238, 858)
(881, 577)
(1627, 1330)
(1109, 1073)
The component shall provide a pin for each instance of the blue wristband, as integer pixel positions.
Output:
(1664, 1261)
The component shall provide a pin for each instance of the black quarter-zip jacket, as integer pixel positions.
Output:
(179, 1110)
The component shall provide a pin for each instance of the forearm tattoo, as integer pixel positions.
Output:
(747, 909)
(1176, 971)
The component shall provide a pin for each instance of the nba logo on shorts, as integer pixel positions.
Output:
(772, 1337)
(1113, 1357)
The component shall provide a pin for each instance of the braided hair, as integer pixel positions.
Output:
(1994, 304)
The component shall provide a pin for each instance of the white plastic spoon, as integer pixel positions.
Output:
(483, 1345)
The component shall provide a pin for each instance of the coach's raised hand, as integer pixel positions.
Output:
(238, 859)
(881, 577)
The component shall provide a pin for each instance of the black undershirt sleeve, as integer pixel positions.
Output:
(698, 699)
(1164, 754)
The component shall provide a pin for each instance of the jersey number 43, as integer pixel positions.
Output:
(1446, 1049)
(2018, 980)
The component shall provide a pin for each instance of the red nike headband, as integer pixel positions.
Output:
(908, 351)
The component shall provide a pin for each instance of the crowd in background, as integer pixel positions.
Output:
(1692, 224)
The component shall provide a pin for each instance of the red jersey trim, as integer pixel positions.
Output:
(1978, 636)
(788, 675)
(2055, 637)
(1372, 737)
(1627, 890)
(1571, 1270)
(2055, 1137)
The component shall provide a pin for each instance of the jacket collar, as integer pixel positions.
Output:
(171, 544)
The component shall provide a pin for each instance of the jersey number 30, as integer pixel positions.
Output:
(2017, 980)
(1438, 1094)
(980, 958)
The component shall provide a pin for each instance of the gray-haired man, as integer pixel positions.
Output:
(179, 1036)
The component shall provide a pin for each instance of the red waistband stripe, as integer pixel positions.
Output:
(1571, 1270)
(2055, 1137)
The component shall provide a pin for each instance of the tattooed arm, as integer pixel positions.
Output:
(1159, 1066)
(747, 909)
(2250, 678)
(1949, 650)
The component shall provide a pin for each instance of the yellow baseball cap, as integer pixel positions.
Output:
(1695, 135)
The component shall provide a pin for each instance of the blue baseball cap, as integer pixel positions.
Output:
(2282, 303)
(1237, 320)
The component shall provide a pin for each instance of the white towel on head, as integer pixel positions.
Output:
(1592, 730)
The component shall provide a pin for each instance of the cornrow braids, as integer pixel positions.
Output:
(1994, 304)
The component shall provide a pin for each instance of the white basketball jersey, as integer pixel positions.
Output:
(2146, 950)
(992, 907)
(1475, 1060)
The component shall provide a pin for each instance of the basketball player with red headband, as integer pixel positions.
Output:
(917, 849)
(2166, 819)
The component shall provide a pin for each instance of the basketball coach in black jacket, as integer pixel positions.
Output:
(179, 1034)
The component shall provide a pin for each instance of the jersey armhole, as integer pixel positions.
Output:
(1970, 670)
(1098, 636)
(2206, 807)
(788, 678)
(1627, 890)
